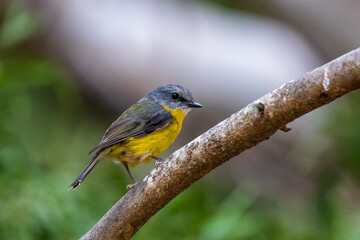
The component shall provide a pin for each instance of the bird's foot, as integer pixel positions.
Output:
(158, 160)
(130, 186)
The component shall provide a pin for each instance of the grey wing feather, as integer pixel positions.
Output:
(134, 126)
(157, 121)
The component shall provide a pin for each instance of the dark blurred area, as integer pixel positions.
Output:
(68, 69)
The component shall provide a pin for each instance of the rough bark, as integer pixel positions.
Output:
(242, 130)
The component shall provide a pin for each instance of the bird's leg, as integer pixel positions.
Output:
(131, 176)
(159, 160)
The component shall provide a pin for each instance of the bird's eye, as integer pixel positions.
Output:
(175, 96)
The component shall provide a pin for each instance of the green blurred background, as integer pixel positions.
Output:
(48, 124)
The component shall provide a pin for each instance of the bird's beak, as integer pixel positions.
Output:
(194, 105)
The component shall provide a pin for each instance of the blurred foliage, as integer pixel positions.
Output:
(342, 125)
(257, 7)
(47, 127)
(17, 25)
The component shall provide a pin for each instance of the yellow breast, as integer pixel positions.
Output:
(138, 149)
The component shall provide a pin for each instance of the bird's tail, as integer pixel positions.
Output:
(94, 162)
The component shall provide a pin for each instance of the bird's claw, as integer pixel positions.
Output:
(130, 186)
(157, 163)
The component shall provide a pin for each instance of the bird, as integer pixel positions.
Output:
(143, 131)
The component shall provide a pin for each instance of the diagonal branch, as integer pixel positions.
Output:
(241, 131)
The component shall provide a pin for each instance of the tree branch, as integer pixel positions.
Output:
(242, 130)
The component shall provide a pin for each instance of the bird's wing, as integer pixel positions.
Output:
(139, 120)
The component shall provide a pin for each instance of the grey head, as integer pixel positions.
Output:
(173, 97)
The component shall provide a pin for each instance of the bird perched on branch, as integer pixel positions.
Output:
(144, 130)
